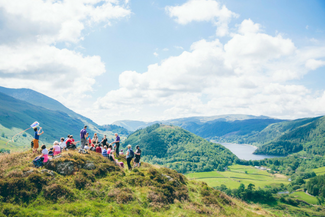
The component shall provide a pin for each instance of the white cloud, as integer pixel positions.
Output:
(179, 47)
(248, 74)
(165, 49)
(155, 54)
(28, 37)
(314, 64)
(307, 27)
(203, 10)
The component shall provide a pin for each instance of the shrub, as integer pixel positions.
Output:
(80, 182)
(56, 191)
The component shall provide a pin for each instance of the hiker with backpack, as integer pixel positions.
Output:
(36, 138)
(137, 156)
(129, 156)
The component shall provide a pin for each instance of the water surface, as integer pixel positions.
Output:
(245, 152)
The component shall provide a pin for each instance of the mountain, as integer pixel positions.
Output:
(222, 128)
(76, 184)
(16, 113)
(42, 100)
(179, 149)
(289, 137)
(134, 125)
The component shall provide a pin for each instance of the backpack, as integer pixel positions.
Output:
(131, 154)
(110, 157)
(38, 161)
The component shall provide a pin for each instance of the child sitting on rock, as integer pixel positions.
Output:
(45, 154)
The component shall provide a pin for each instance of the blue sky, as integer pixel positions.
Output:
(129, 44)
(94, 57)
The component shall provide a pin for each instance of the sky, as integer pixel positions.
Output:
(160, 59)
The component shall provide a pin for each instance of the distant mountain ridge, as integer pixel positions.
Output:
(21, 114)
(42, 100)
(21, 107)
(211, 127)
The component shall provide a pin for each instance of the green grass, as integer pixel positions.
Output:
(233, 178)
(108, 191)
(319, 171)
(305, 197)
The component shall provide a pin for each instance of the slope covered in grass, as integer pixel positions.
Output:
(305, 134)
(96, 187)
(179, 149)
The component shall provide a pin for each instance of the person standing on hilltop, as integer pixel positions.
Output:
(83, 137)
(117, 143)
(137, 156)
(129, 156)
(36, 138)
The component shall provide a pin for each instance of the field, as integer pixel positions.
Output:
(319, 171)
(236, 175)
(303, 196)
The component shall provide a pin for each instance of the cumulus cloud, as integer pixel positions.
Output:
(203, 10)
(30, 31)
(155, 54)
(248, 74)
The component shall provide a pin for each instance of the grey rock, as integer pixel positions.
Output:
(56, 157)
(89, 166)
(168, 177)
(50, 172)
(65, 168)
(28, 172)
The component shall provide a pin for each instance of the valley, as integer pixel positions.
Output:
(239, 174)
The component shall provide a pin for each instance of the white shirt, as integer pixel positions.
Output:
(62, 145)
(45, 151)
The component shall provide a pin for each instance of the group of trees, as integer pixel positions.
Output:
(249, 194)
(316, 186)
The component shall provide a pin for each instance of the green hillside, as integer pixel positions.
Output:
(294, 136)
(15, 113)
(91, 185)
(179, 149)
(41, 100)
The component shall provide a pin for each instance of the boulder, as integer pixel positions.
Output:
(89, 166)
(50, 172)
(25, 174)
(65, 168)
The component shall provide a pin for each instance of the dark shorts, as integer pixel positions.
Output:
(136, 160)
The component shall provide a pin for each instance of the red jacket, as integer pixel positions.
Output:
(99, 150)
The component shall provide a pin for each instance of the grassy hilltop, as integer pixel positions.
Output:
(96, 187)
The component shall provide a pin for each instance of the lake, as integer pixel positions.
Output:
(245, 152)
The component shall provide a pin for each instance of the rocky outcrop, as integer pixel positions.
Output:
(65, 168)
(89, 166)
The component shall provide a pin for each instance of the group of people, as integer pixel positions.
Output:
(106, 149)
